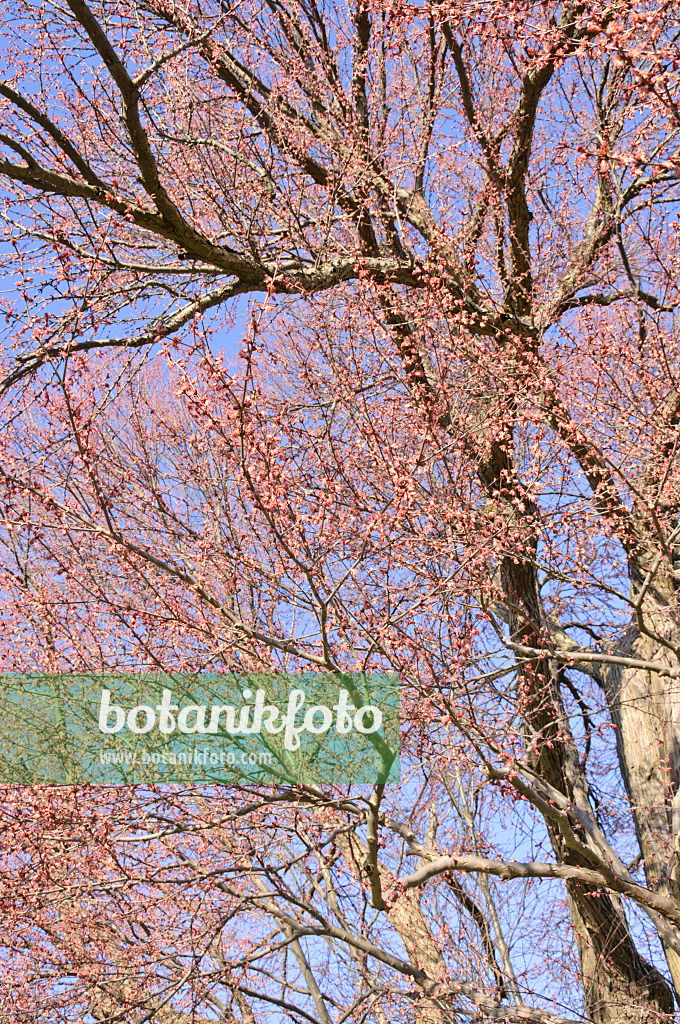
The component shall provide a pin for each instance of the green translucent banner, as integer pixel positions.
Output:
(257, 729)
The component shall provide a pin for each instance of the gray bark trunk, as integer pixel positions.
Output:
(620, 986)
(645, 708)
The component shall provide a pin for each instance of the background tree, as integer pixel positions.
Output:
(448, 449)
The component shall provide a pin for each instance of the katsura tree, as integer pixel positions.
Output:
(447, 236)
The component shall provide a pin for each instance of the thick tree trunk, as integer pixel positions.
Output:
(645, 708)
(620, 987)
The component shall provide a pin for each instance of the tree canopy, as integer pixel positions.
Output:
(447, 235)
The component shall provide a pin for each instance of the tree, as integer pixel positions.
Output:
(448, 449)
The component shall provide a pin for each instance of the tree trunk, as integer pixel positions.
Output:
(645, 708)
(407, 918)
(620, 987)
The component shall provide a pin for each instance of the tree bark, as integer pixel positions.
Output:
(407, 918)
(645, 708)
(620, 986)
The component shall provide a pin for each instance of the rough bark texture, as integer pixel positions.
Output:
(407, 918)
(620, 986)
(645, 708)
